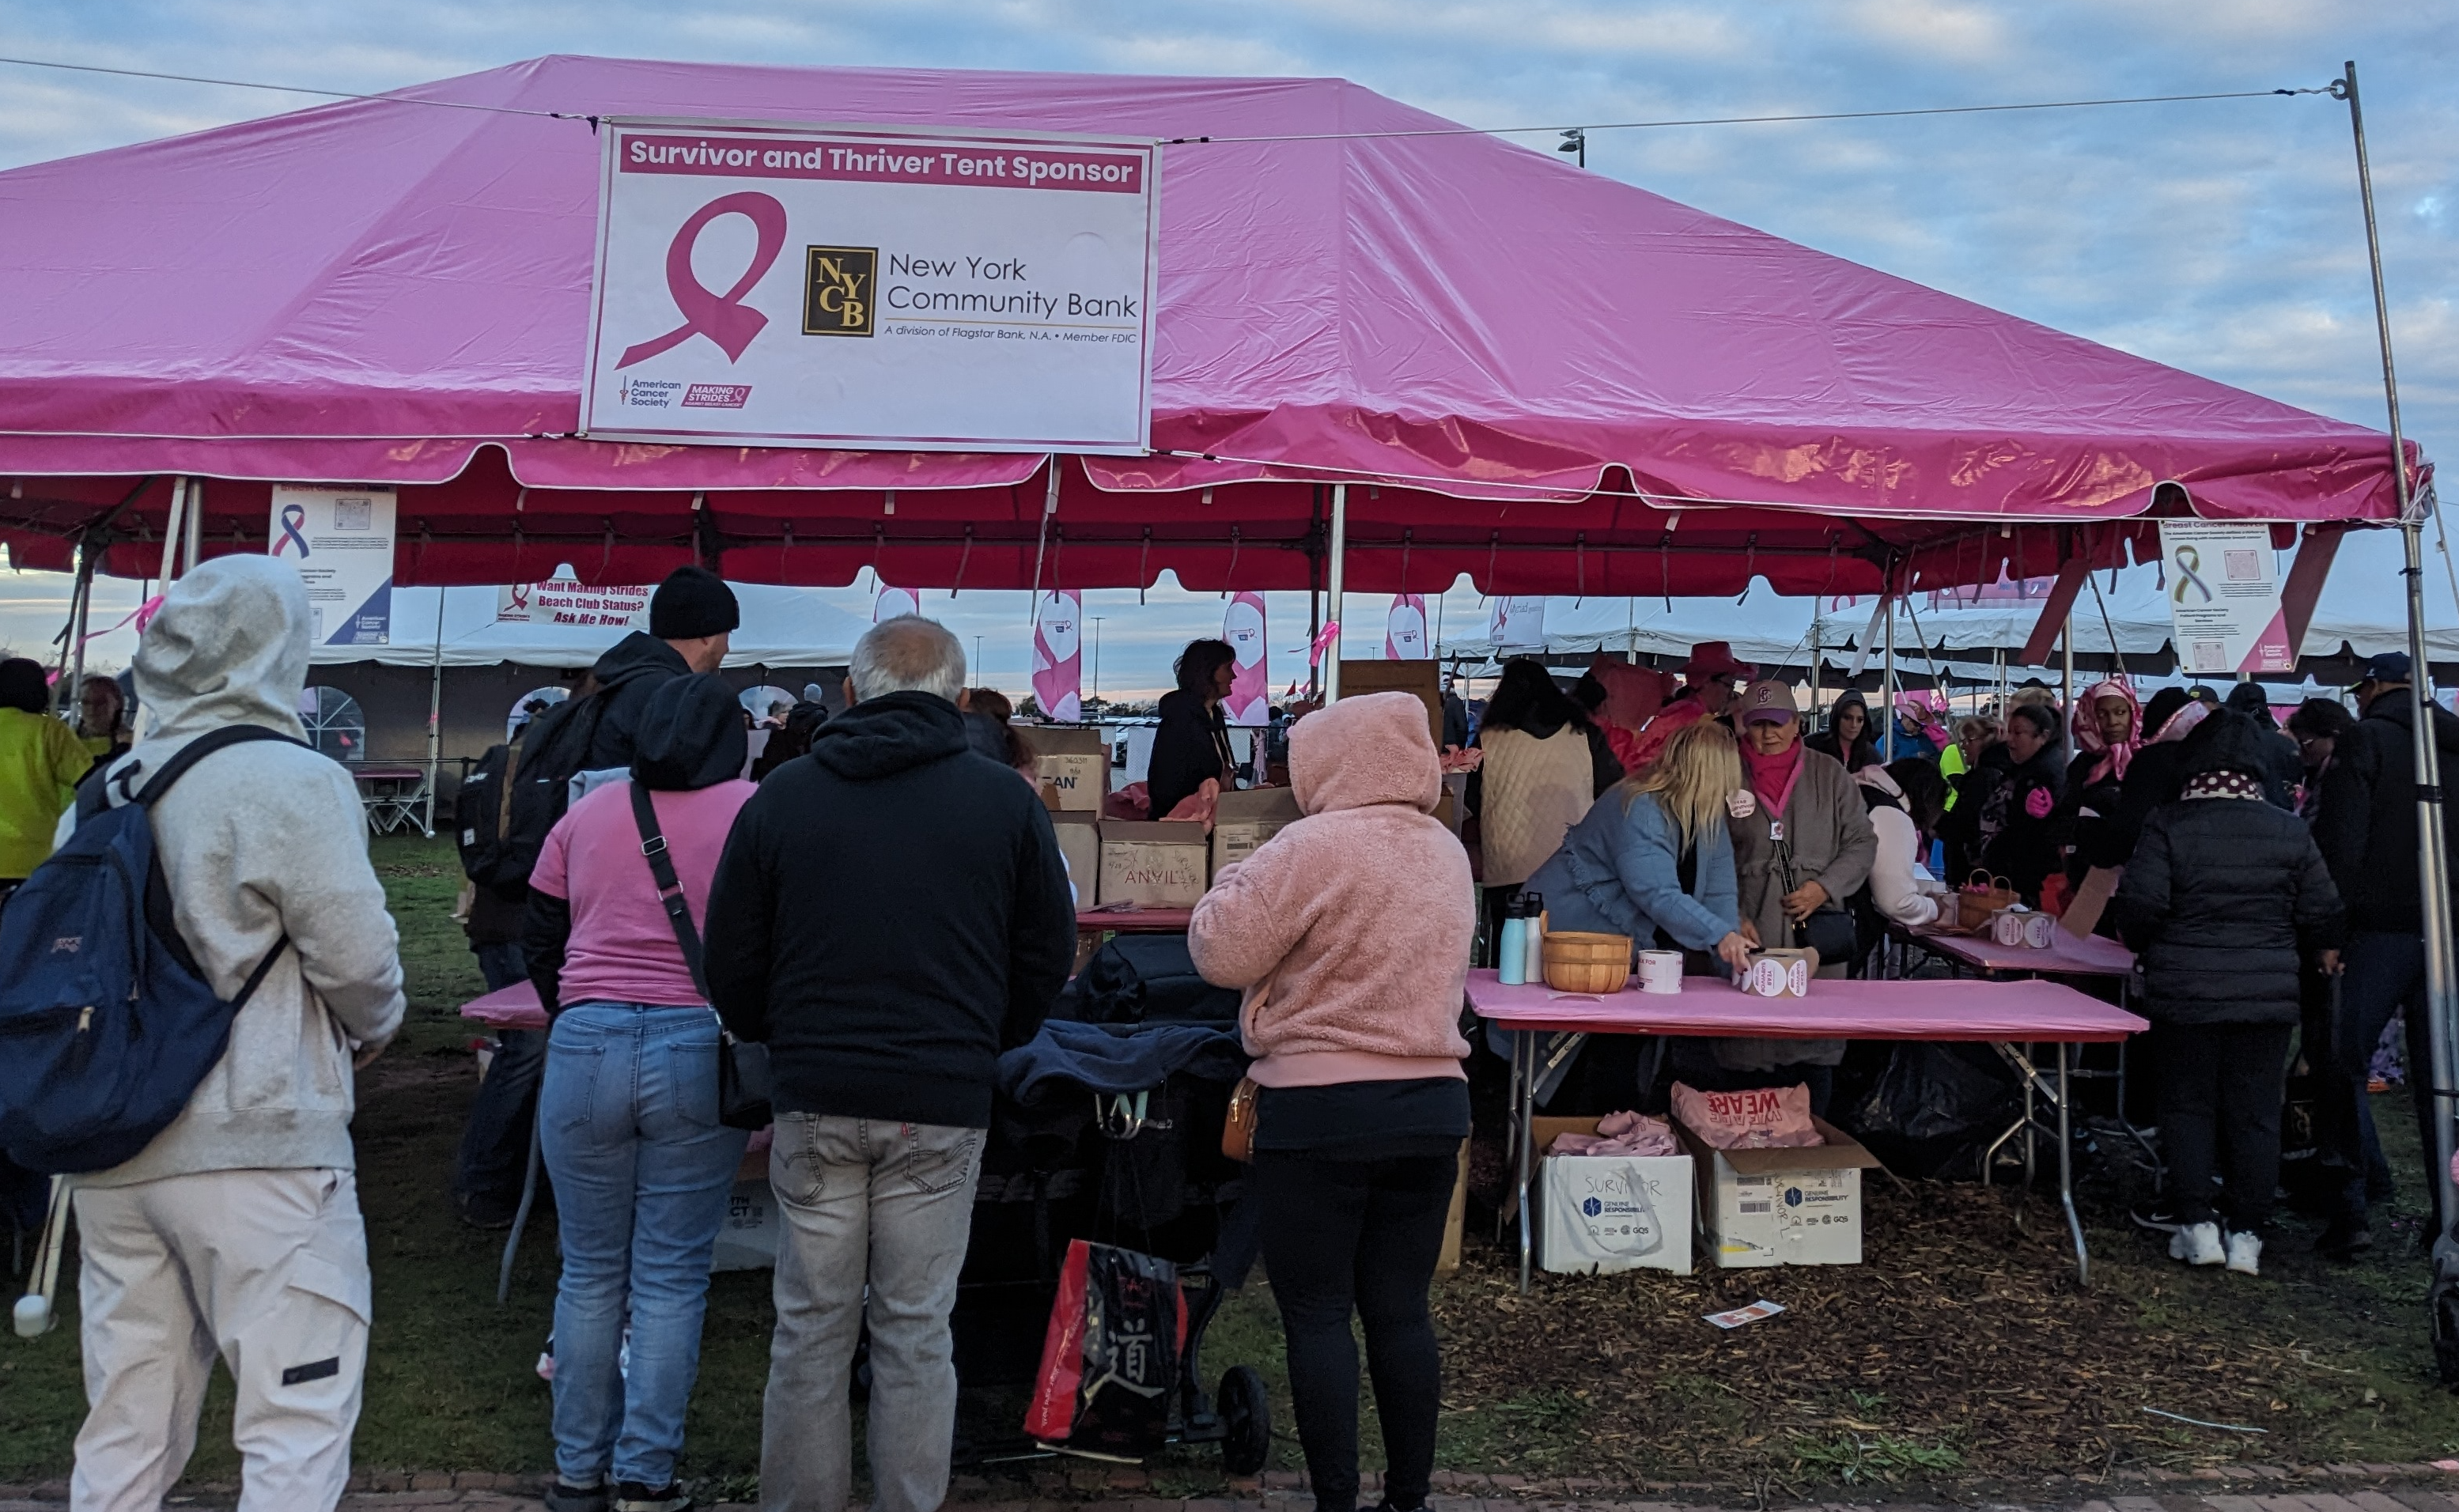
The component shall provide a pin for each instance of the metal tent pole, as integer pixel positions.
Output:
(79, 618)
(196, 522)
(2431, 861)
(171, 530)
(1814, 668)
(1887, 674)
(1332, 604)
(436, 712)
(2066, 674)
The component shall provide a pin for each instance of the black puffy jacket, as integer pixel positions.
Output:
(2368, 829)
(2222, 897)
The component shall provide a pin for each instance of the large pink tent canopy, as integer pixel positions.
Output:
(1548, 379)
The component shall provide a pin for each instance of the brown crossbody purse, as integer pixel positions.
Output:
(1238, 1129)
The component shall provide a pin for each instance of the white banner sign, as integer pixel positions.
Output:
(872, 288)
(2223, 585)
(1517, 623)
(340, 541)
(566, 602)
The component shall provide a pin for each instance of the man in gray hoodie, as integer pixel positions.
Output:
(237, 1231)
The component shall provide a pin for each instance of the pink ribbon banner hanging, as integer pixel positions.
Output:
(1059, 656)
(1250, 693)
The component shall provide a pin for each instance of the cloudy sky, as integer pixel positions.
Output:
(2221, 237)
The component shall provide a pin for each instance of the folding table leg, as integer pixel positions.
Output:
(2066, 1162)
(1523, 1101)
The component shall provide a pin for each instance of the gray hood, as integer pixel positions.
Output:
(229, 646)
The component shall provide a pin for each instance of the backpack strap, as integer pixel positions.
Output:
(159, 784)
(670, 886)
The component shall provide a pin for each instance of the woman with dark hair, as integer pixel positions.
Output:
(1544, 764)
(1847, 736)
(1191, 747)
(2018, 801)
(2316, 727)
(40, 761)
(2107, 729)
(989, 732)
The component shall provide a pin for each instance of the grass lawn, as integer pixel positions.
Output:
(1960, 1351)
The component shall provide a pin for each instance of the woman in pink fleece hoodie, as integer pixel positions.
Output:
(1349, 932)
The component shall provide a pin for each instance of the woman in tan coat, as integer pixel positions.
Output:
(1802, 844)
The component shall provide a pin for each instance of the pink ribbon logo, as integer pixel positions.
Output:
(721, 317)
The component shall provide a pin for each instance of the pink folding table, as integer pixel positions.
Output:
(2008, 1015)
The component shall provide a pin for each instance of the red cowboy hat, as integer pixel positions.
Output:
(1714, 659)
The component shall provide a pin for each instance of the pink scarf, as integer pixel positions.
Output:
(1771, 777)
(2085, 724)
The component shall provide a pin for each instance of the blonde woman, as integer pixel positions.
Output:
(1653, 859)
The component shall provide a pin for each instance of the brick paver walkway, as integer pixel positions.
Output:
(2236, 1488)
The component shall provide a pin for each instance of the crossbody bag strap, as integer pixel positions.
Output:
(670, 886)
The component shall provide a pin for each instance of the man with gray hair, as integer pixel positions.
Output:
(891, 912)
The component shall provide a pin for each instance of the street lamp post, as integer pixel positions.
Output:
(1576, 141)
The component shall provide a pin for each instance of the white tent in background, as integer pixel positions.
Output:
(2361, 612)
(781, 627)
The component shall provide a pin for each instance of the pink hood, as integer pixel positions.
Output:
(2085, 724)
(1361, 751)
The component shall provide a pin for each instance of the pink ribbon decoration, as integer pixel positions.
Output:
(892, 602)
(1322, 641)
(721, 317)
(1059, 656)
(1251, 689)
(1404, 629)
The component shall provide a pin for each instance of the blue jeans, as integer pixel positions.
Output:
(2381, 974)
(641, 1170)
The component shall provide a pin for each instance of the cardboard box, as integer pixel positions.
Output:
(1080, 841)
(1159, 864)
(1074, 761)
(1242, 821)
(1604, 1215)
(1781, 1207)
(1424, 679)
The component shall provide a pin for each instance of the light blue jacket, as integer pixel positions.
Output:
(1615, 875)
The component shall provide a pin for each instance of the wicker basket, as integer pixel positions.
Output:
(1587, 963)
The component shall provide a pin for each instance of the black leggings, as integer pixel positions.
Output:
(1358, 1235)
(2220, 1087)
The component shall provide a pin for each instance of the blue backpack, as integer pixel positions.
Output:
(106, 1024)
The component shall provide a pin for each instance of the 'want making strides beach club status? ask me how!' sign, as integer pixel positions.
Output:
(874, 287)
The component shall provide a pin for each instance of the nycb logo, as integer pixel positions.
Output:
(838, 287)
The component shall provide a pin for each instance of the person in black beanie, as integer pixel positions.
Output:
(691, 617)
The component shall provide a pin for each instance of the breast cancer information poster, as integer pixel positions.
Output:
(2223, 585)
(340, 541)
(872, 287)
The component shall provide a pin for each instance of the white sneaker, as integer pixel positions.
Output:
(2198, 1244)
(2245, 1253)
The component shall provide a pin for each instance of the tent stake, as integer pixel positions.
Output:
(2431, 861)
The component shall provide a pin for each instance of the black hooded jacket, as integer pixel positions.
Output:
(891, 914)
(2224, 897)
(2368, 829)
(632, 670)
(1864, 751)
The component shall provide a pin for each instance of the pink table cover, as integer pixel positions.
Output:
(2066, 957)
(2043, 1012)
(513, 1007)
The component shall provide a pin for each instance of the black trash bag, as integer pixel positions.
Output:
(1110, 1360)
(1932, 1109)
(1144, 979)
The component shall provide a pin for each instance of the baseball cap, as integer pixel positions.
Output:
(1765, 702)
(2392, 666)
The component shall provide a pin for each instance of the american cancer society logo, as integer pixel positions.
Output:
(838, 288)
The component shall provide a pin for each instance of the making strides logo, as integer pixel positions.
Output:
(837, 288)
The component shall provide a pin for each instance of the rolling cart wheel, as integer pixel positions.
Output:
(1246, 1422)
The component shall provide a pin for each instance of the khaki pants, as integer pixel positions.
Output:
(267, 1268)
(876, 1219)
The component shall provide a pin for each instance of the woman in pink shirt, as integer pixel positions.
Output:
(628, 1112)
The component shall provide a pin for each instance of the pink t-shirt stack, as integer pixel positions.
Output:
(623, 947)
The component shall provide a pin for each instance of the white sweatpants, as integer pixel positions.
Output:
(268, 1269)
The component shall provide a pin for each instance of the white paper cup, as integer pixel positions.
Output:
(1660, 972)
